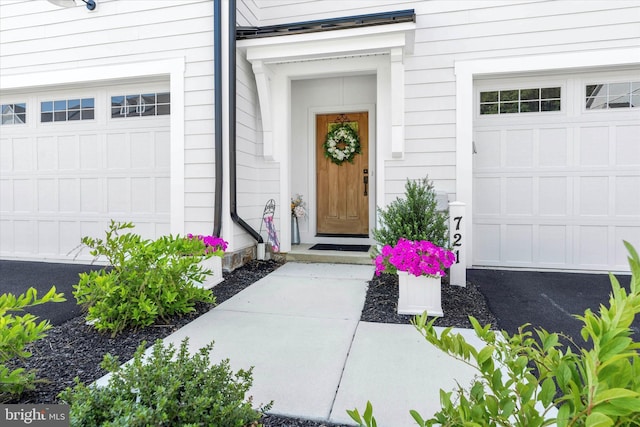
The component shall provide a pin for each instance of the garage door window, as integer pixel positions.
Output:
(14, 114)
(67, 110)
(512, 101)
(604, 96)
(149, 104)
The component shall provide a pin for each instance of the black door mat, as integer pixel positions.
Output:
(346, 248)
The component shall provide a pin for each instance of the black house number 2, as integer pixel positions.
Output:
(457, 237)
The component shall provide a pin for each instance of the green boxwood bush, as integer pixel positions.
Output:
(165, 389)
(147, 279)
(15, 333)
(415, 217)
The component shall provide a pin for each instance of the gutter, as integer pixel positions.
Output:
(232, 126)
(217, 99)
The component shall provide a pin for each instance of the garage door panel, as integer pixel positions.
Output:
(553, 195)
(628, 145)
(90, 157)
(68, 153)
(552, 247)
(489, 201)
(23, 158)
(592, 250)
(594, 146)
(142, 150)
(47, 153)
(68, 236)
(6, 201)
(48, 238)
(23, 194)
(488, 150)
(90, 195)
(47, 195)
(518, 244)
(558, 190)
(118, 151)
(24, 237)
(61, 181)
(141, 197)
(519, 148)
(69, 200)
(486, 244)
(162, 149)
(118, 195)
(627, 196)
(6, 231)
(594, 196)
(162, 199)
(519, 196)
(553, 148)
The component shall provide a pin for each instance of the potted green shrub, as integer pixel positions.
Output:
(414, 217)
(413, 237)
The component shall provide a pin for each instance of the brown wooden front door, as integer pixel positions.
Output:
(342, 190)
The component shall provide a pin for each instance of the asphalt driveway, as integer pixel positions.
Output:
(17, 276)
(545, 299)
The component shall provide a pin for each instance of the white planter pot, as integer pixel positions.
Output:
(419, 294)
(215, 265)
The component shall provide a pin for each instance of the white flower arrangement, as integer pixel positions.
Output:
(298, 207)
(342, 144)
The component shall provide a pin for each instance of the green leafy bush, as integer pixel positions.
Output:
(15, 333)
(529, 379)
(147, 280)
(415, 217)
(165, 389)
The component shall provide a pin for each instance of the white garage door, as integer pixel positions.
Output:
(72, 160)
(557, 171)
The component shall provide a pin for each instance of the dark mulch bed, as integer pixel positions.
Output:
(75, 349)
(458, 303)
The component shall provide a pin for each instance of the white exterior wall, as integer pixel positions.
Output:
(451, 31)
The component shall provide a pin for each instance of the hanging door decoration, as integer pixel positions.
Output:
(342, 142)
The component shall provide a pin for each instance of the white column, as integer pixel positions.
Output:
(457, 239)
(397, 103)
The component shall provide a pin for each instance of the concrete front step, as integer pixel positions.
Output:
(301, 253)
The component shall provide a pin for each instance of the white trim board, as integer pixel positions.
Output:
(173, 67)
(467, 71)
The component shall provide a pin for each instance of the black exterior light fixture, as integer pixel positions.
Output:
(91, 4)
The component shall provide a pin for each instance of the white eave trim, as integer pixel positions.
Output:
(348, 42)
(394, 40)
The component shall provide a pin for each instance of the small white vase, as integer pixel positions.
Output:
(419, 294)
(215, 265)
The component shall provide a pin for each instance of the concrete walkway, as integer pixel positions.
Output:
(299, 328)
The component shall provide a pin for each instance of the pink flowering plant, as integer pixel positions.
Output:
(418, 258)
(212, 244)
